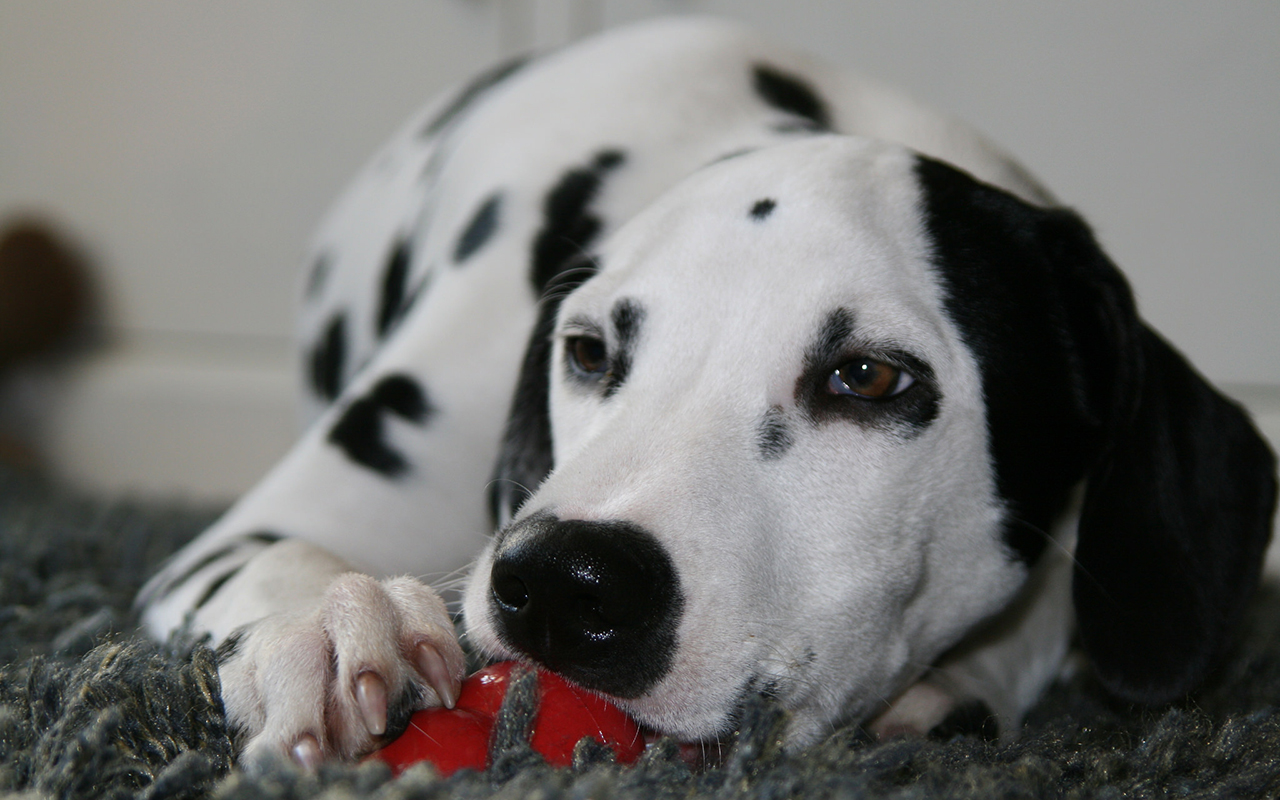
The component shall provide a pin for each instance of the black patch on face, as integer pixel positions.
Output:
(394, 279)
(328, 358)
(628, 315)
(762, 209)
(791, 94)
(831, 341)
(1000, 294)
(483, 224)
(359, 431)
(773, 436)
(525, 458)
(319, 275)
(569, 226)
(481, 84)
(906, 414)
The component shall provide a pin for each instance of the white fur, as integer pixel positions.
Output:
(872, 552)
(868, 551)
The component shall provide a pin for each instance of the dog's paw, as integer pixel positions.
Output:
(936, 711)
(338, 681)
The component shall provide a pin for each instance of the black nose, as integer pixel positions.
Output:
(598, 602)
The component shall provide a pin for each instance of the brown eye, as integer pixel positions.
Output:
(870, 380)
(587, 355)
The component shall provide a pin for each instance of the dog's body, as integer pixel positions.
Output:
(801, 413)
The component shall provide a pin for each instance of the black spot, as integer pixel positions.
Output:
(479, 230)
(831, 342)
(416, 293)
(525, 459)
(773, 437)
(762, 209)
(791, 94)
(215, 585)
(198, 566)
(235, 546)
(401, 395)
(328, 358)
(481, 84)
(395, 275)
(319, 275)
(229, 648)
(359, 430)
(628, 315)
(905, 415)
(970, 718)
(264, 537)
(568, 226)
(609, 159)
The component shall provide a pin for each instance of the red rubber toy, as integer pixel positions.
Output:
(458, 738)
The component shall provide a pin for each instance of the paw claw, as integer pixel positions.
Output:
(432, 667)
(306, 751)
(371, 697)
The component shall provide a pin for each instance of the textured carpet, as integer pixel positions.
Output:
(88, 709)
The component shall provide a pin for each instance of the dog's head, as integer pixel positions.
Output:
(810, 418)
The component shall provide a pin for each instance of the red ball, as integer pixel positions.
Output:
(458, 738)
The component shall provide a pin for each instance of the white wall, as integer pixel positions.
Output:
(191, 147)
(1158, 119)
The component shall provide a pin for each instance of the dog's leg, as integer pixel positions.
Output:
(339, 661)
(323, 649)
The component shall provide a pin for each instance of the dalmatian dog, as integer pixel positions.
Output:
(793, 387)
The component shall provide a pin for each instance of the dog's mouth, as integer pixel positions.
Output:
(748, 709)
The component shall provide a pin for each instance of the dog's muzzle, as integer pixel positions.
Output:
(597, 602)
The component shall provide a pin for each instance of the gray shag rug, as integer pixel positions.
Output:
(88, 708)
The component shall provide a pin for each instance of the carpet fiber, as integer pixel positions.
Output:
(90, 709)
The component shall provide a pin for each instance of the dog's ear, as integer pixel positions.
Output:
(1178, 503)
(1179, 487)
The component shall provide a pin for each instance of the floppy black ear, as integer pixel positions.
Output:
(1176, 518)
(1179, 487)
(1179, 499)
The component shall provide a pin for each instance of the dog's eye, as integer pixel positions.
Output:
(587, 355)
(870, 380)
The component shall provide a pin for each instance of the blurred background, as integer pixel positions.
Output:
(174, 156)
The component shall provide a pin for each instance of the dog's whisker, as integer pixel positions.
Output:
(502, 479)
